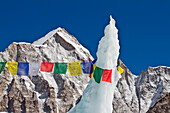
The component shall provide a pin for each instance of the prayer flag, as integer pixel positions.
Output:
(74, 68)
(94, 61)
(120, 69)
(34, 68)
(12, 67)
(2, 65)
(92, 71)
(87, 67)
(107, 75)
(47, 66)
(23, 68)
(117, 76)
(60, 68)
(98, 74)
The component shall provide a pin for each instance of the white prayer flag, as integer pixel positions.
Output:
(116, 77)
(34, 68)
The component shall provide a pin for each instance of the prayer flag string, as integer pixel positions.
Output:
(74, 68)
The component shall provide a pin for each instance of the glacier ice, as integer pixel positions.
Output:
(97, 98)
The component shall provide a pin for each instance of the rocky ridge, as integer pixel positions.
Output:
(58, 93)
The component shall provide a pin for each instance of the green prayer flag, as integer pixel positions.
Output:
(2, 65)
(98, 74)
(60, 68)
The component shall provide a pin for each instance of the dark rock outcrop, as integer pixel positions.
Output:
(162, 105)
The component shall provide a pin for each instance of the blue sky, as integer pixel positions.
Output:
(144, 26)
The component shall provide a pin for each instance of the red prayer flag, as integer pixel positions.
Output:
(107, 75)
(47, 66)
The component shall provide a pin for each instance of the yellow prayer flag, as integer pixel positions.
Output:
(120, 69)
(74, 68)
(12, 67)
(91, 75)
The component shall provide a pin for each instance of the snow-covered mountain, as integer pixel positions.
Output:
(46, 92)
(137, 94)
(58, 93)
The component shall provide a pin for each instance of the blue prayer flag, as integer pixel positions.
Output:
(94, 61)
(87, 67)
(23, 68)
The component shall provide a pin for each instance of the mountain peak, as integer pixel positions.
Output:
(59, 31)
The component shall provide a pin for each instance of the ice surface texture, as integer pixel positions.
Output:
(108, 49)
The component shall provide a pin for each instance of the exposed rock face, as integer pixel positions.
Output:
(125, 99)
(58, 93)
(162, 105)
